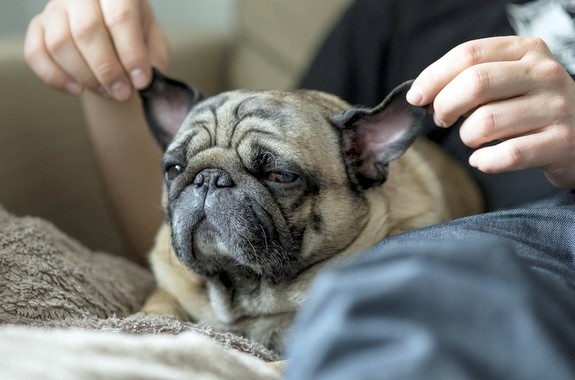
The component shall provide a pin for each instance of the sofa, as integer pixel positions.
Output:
(70, 292)
(47, 168)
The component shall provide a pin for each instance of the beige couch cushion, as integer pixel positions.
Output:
(46, 166)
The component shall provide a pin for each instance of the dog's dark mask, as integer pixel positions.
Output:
(221, 224)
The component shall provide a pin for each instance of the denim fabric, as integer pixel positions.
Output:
(485, 297)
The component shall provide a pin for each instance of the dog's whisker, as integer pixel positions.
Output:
(265, 239)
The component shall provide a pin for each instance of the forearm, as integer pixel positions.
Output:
(129, 166)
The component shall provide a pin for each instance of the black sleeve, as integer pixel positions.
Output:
(377, 44)
(351, 62)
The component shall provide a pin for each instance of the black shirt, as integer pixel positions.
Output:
(378, 44)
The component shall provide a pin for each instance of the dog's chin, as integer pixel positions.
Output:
(210, 250)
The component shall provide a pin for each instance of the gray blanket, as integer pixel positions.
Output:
(66, 312)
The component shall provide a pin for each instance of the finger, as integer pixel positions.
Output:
(501, 120)
(479, 85)
(507, 119)
(94, 43)
(61, 47)
(125, 25)
(522, 152)
(436, 76)
(41, 63)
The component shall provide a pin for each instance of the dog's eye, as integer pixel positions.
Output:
(281, 177)
(173, 171)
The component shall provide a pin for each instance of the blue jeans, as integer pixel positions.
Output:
(484, 297)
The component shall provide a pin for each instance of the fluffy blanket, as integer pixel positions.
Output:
(66, 312)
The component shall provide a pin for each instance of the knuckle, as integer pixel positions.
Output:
(553, 72)
(478, 80)
(561, 108)
(564, 137)
(85, 28)
(118, 16)
(479, 128)
(514, 154)
(52, 77)
(536, 44)
(487, 123)
(470, 54)
(57, 40)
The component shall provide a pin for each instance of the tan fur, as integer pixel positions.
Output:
(424, 187)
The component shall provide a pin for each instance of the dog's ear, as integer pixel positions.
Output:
(166, 105)
(371, 138)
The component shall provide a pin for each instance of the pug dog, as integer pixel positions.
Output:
(263, 189)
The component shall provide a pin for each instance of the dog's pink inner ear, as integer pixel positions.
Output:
(374, 137)
(166, 104)
(379, 139)
(385, 135)
(170, 109)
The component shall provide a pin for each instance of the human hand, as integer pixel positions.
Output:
(107, 46)
(513, 91)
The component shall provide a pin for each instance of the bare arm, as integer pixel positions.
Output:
(103, 50)
(129, 162)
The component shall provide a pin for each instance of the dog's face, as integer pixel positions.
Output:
(267, 183)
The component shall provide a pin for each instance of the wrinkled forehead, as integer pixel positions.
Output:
(269, 104)
(230, 116)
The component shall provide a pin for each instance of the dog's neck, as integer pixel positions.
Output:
(235, 296)
(225, 290)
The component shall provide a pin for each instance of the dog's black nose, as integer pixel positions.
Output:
(214, 178)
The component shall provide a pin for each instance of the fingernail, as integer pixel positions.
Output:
(73, 88)
(438, 121)
(120, 91)
(415, 96)
(139, 78)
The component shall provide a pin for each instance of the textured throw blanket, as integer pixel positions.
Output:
(66, 313)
